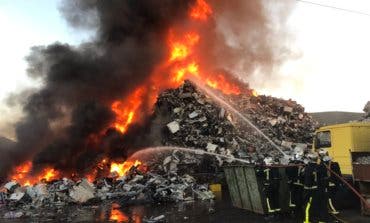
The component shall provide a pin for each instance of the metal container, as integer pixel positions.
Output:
(364, 187)
(361, 172)
(246, 189)
(361, 175)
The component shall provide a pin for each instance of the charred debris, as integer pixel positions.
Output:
(195, 121)
(186, 118)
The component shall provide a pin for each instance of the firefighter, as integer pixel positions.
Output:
(334, 182)
(311, 192)
(295, 182)
(271, 183)
(322, 190)
(315, 191)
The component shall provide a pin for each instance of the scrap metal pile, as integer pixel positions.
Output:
(195, 120)
(135, 187)
(188, 119)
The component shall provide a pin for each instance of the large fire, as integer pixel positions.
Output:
(125, 110)
(22, 175)
(182, 62)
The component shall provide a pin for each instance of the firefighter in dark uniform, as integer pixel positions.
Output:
(310, 187)
(322, 190)
(295, 182)
(311, 190)
(315, 191)
(334, 182)
(271, 184)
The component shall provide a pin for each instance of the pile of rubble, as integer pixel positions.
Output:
(135, 187)
(189, 119)
(195, 120)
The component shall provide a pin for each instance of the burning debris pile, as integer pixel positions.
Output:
(189, 119)
(194, 120)
(95, 95)
(136, 186)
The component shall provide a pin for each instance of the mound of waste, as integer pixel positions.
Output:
(192, 119)
(136, 187)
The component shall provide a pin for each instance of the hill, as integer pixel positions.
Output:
(335, 117)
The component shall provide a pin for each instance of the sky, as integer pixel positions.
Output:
(25, 24)
(330, 73)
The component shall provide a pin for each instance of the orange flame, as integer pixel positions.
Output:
(21, 174)
(122, 168)
(126, 110)
(201, 10)
(182, 62)
(21, 171)
(48, 174)
(118, 216)
(181, 48)
(181, 72)
(91, 177)
(179, 51)
(219, 82)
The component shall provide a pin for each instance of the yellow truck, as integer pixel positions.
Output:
(342, 141)
(349, 145)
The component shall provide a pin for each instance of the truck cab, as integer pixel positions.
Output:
(343, 140)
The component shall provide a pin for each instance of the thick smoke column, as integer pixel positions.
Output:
(249, 38)
(80, 83)
(67, 121)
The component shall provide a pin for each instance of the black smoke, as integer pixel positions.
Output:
(64, 118)
(67, 121)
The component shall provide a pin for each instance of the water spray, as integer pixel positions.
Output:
(227, 105)
(140, 153)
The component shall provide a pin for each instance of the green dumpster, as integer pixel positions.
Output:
(246, 189)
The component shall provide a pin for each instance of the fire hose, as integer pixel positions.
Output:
(350, 187)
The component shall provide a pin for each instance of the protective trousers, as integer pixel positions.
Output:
(272, 196)
(316, 209)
